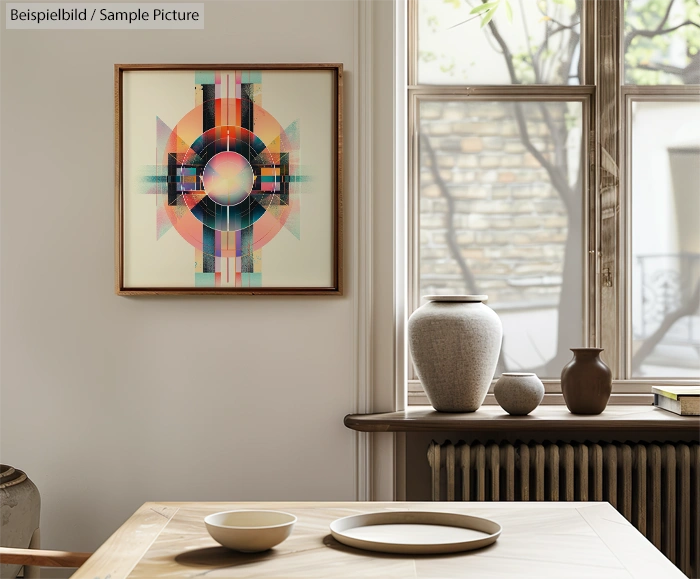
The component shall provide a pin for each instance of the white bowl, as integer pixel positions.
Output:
(250, 531)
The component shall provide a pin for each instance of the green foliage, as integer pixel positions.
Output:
(532, 63)
(652, 55)
(656, 51)
(447, 68)
(489, 11)
(568, 4)
(509, 11)
(571, 120)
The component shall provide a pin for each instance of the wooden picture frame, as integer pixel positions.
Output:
(221, 169)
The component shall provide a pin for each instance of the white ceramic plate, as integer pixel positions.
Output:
(415, 532)
(457, 298)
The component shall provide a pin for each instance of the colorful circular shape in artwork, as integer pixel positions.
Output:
(229, 191)
(228, 178)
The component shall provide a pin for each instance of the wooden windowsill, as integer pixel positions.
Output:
(553, 418)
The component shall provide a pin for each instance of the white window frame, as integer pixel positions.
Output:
(607, 215)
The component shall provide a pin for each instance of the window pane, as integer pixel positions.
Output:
(501, 214)
(666, 239)
(526, 42)
(662, 38)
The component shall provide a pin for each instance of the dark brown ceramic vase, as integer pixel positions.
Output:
(586, 382)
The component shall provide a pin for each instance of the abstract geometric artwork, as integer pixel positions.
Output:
(229, 179)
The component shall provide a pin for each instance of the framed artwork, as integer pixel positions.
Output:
(228, 179)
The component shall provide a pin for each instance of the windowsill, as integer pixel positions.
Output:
(546, 418)
(624, 392)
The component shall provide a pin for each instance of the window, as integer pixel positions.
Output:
(554, 165)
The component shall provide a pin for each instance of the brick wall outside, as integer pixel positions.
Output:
(510, 223)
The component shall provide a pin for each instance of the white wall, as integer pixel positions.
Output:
(384, 454)
(100, 402)
(653, 201)
(656, 127)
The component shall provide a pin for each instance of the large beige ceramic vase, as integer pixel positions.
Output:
(20, 505)
(454, 343)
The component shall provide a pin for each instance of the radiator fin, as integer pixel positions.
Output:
(524, 464)
(655, 486)
(450, 458)
(639, 492)
(668, 500)
(625, 487)
(683, 501)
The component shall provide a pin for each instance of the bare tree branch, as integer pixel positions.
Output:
(558, 139)
(535, 57)
(630, 36)
(488, 38)
(666, 15)
(654, 33)
(579, 68)
(467, 274)
(659, 67)
(559, 180)
(464, 21)
(686, 309)
(552, 18)
(553, 32)
(535, 62)
(507, 54)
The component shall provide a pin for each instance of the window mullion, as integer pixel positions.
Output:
(590, 165)
(608, 279)
(412, 22)
(588, 43)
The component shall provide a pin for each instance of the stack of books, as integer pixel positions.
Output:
(683, 400)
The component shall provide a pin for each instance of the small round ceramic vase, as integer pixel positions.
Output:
(518, 393)
(20, 504)
(454, 343)
(586, 382)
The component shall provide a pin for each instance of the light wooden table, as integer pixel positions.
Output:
(539, 540)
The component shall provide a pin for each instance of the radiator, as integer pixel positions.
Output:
(655, 486)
